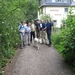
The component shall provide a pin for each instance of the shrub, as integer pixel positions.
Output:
(65, 41)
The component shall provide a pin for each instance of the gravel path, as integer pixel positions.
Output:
(45, 61)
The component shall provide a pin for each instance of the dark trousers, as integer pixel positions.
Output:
(32, 35)
(49, 37)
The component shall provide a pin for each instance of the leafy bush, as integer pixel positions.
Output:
(65, 40)
(12, 12)
(58, 41)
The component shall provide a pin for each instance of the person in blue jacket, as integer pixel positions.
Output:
(49, 29)
(22, 34)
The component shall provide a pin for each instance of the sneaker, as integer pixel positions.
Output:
(46, 44)
(29, 44)
(20, 47)
(24, 45)
(49, 45)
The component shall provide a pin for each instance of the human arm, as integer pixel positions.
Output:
(44, 27)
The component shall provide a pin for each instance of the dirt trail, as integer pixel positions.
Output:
(45, 61)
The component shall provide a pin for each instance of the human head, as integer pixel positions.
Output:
(28, 24)
(48, 20)
(22, 22)
(41, 21)
(32, 21)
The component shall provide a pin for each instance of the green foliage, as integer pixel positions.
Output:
(58, 41)
(44, 17)
(12, 12)
(65, 40)
(30, 10)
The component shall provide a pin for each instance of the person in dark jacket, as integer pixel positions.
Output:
(49, 29)
(42, 28)
(37, 29)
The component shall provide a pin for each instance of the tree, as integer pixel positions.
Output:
(11, 13)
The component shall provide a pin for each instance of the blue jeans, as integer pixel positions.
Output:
(49, 37)
(22, 37)
(28, 38)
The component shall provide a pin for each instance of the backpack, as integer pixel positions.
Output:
(21, 26)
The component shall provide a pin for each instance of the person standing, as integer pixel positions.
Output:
(33, 30)
(42, 28)
(49, 29)
(28, 31)
(22, 34)
(37, 29)
(25, 33)
(25, 23)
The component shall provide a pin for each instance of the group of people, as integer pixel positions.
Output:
(30, 31)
